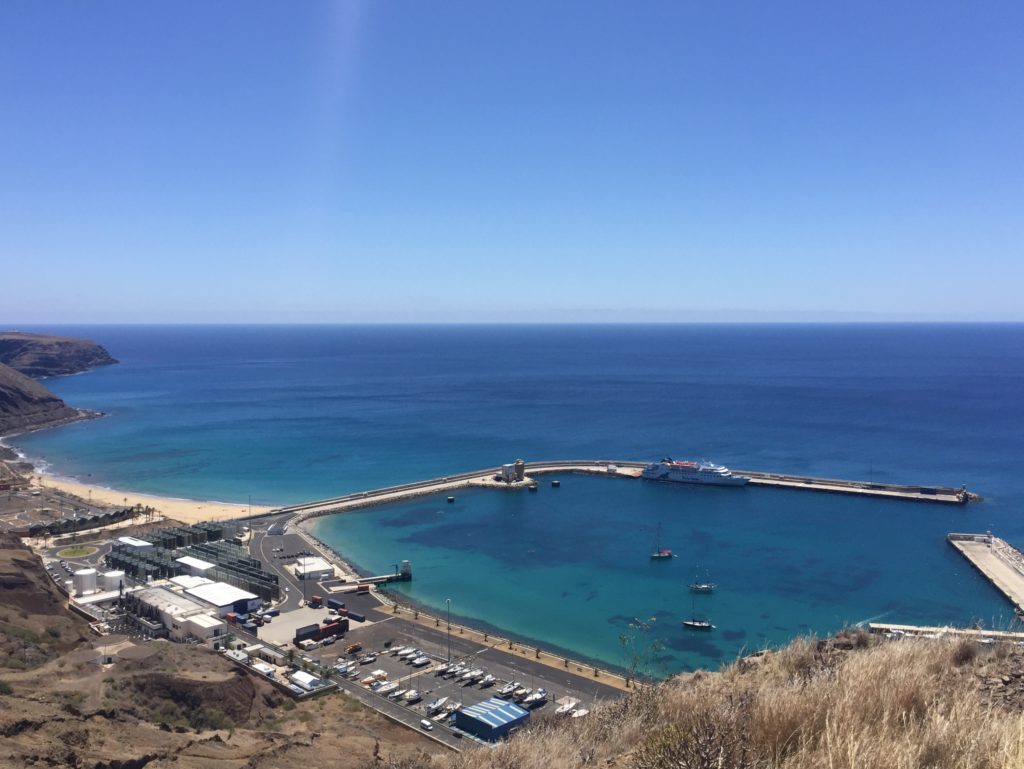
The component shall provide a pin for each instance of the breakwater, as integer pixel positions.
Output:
(618, 469)
(1000, 562)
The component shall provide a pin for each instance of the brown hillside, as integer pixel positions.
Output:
(38, 355)
(27, 405)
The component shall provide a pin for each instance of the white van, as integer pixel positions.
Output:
(426, 726)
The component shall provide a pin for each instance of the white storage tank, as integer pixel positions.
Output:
(113, 579)
(85, 581)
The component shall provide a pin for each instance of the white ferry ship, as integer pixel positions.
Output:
(692, 472)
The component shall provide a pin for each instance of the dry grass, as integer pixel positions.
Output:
(902, 705)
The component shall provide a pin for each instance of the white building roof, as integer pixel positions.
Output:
(133, 542)
(205, 620)
(312, 564)
(187, 581)
(174, 604)
(194, 563)
(302, 678)
(220, 594)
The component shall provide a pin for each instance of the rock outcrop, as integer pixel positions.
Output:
(38, 355)
(27, 405)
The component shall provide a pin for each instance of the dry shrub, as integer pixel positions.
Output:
(903, 705)
(964, 651)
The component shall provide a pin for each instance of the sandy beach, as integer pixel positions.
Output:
(184, 510)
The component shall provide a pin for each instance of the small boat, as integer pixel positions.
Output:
(539, 697)
(579, 713)
(697, 624)
(702, 587)
(397, 693)
(507, 689)
(436, 705)
(369, 658)
(385, 687)
(660, 553)
(468, 675)
(396, 651)
(409, 653)
(440, 670)
(521, 693)
(412, 696)
(420, 661)
(488, 680)
(567, 708)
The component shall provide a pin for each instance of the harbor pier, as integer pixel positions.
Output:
(610, 468)
(1000, 562)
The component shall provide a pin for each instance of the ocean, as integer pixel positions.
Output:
(291, 413)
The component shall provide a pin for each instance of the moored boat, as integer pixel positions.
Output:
(702, 472)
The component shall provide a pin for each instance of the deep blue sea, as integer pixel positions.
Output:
(290, 413)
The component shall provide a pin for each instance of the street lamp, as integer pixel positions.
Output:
(449, 602)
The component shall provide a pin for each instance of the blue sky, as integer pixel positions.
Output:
(332, 161)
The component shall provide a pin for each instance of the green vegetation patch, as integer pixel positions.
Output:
(78, 551)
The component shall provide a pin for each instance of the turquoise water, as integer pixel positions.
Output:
(290, 413)
(571, 565)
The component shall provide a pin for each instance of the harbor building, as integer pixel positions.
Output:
(313, 568)
(491, 719)
(180, 615)
(136, 545)
(225, 598)
(196, 567)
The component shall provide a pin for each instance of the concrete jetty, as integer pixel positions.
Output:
(925, 631)
(1000, 562)
(610, 468)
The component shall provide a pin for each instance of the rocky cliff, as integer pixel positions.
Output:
(38, 355)
(27, 405)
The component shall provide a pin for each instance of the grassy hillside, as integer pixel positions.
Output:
(851, 703)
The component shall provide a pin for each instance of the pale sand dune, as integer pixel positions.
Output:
(184, 510)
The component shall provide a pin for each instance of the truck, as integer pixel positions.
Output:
(316, 601)
(362, 588)
(356, 616)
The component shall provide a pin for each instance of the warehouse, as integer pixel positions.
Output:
(195, 566)
(313, 568)
(491, 719)
(170, 609)
(138, 545)
(226, 598)
(204, 627)
(306, 680)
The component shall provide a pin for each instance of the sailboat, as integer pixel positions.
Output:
(701, 587)
(659, 552)
(697, 624)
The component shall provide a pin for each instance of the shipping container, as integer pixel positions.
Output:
(231, 617)
(357, 616)
(272, 612)
(365, 588)
(316, 601)
(306, 632)
(334, 603)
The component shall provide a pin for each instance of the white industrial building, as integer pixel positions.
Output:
(187, 581)
(136, 544)
(182, 616)
(196, 566)
(307, 681)
(313, 568)
(225, 598)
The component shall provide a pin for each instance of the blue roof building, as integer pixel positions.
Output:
(491, 719)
